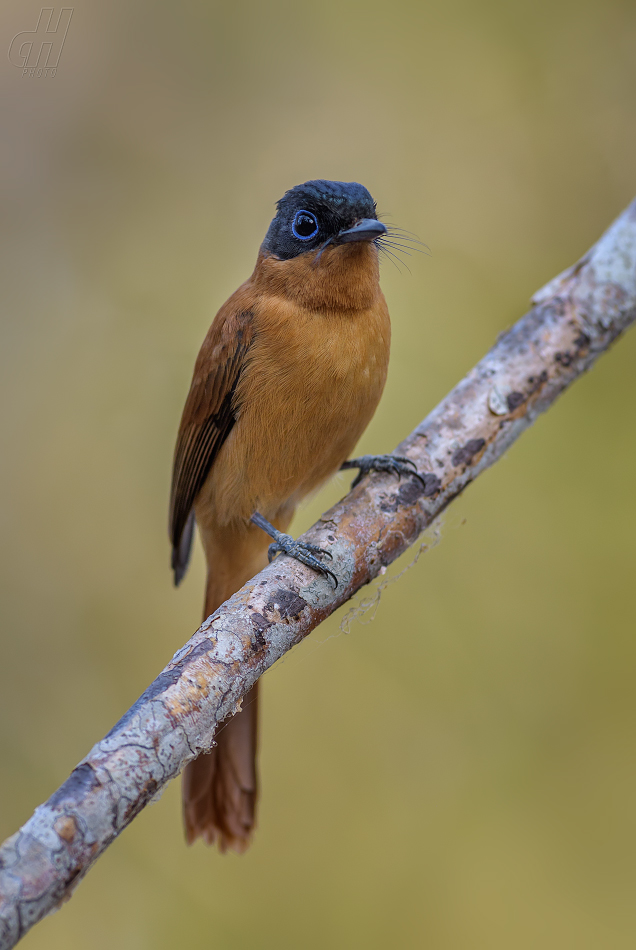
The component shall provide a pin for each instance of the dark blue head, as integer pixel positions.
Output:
(317, 213)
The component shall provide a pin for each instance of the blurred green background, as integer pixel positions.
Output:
(472, 786)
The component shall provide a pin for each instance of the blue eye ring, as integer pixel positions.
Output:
(309, 217)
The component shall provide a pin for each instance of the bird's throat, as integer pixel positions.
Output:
(335, 278)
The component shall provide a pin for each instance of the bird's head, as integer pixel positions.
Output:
(321, 214)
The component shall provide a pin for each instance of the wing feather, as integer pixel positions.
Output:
(207, 420)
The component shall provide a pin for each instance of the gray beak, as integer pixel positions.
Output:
(365, 230)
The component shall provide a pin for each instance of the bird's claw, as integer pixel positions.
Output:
(394, 464)
(304, 552)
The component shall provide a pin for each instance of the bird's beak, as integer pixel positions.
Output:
(365, 230)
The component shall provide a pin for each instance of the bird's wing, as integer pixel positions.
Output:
(208, 417)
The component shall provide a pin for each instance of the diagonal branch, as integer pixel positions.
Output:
(574, 319)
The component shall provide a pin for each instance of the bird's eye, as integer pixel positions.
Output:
(304, 225)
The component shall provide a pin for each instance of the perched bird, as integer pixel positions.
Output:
(286, 381)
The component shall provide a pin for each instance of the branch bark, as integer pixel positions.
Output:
(573, 319)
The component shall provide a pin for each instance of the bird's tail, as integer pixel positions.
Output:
(220, 787)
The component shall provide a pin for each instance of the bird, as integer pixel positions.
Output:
(286, 381)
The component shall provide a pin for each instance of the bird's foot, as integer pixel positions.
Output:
(395, 464)
(302, 551)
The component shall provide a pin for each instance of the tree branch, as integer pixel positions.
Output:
(574, 319)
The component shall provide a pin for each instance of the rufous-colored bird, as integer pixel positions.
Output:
(287, 379)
